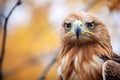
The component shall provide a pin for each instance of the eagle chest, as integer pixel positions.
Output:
(80, 69)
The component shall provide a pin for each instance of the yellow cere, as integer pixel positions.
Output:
(81, 24)
(70, 33)
(86, 32)
(78, 22)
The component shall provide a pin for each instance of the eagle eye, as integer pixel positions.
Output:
(67, 26)
(90, 25)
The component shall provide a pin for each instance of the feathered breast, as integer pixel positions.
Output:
(82, 62)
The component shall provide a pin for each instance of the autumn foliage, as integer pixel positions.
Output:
(29, 48)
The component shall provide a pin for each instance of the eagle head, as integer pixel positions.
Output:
(84, 28)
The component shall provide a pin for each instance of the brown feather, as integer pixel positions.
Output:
(111, 70)
(79, 59)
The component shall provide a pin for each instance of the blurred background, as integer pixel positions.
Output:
(33, 33)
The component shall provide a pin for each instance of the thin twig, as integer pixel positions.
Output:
(5, 35)
(43, 75)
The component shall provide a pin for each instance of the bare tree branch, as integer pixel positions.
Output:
(43, 75)
(5, 35)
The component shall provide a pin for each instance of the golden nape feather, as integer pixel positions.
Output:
(85, 46)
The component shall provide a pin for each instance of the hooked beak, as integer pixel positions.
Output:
(77, 29)
(77, 32)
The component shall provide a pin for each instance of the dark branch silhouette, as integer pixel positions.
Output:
(5, 35)
(43, 75)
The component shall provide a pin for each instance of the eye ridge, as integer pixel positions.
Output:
(67, 26)
(90, 25)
